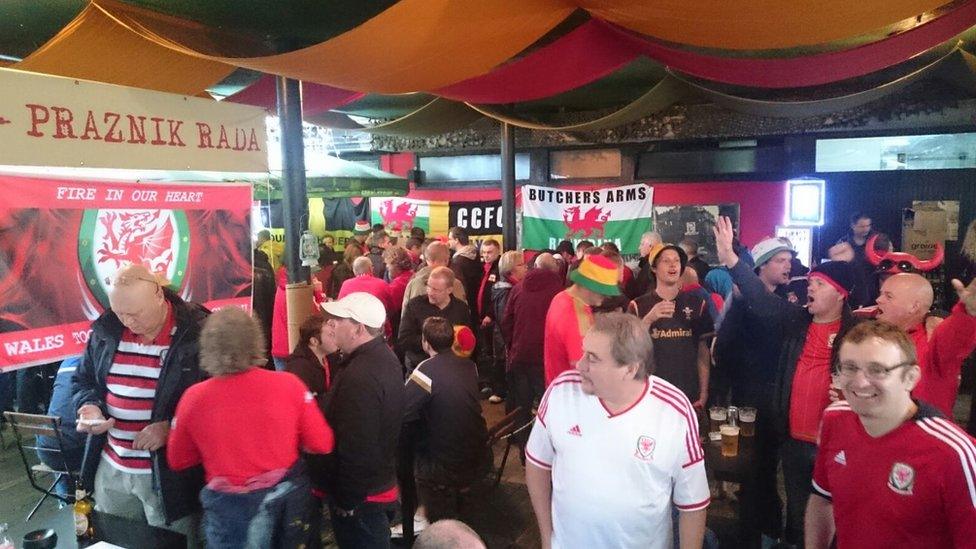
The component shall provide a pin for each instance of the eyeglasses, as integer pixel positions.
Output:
(874, 371)
(903, 266)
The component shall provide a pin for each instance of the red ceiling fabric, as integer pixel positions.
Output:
(316, 98)
(596, 49)
(812, 70)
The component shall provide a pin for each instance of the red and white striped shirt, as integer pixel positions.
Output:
(131, 384)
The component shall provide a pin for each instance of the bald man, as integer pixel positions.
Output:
(449, 534)
(904, 301)
(141, 357)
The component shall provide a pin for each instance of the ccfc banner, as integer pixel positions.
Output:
(481, 220)
(618, 214)
(61, 241)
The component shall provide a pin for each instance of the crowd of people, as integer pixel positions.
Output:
(852, 372)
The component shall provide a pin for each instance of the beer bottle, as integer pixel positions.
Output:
(84, 529)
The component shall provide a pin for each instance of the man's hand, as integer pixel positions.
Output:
(723, 241)
(702, 399)
(485, 322)
(662, 309)
(967, 294)
(152, 437)
(91, 420)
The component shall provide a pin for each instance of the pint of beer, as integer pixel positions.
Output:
(747, 421)
(730, 440)
(716, 417)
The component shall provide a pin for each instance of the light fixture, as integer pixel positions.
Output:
(805, 202)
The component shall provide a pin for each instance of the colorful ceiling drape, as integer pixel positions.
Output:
(486, 58)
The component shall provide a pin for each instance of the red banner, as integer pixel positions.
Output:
(61, 241)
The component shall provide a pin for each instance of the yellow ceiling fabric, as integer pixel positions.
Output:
(664, 94)
(755, 24)
(94, 47)
(413, 45)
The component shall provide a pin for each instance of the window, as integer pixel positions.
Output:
(900, 152)
(588, 163)
(472, 167)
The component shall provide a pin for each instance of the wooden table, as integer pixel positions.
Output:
(132, 534)
(741, 470)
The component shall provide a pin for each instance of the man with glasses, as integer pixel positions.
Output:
(890, 471)
(439, 301)
(365, 410)
(141, 357)
(904, 302)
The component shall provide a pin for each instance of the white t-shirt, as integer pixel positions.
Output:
(614, 476)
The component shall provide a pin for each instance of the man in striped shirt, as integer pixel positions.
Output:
(140, 358)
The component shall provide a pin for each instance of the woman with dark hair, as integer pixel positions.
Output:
(343, 269)
(246, 426)
(314, 356)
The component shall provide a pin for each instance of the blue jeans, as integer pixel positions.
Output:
(279, 363)
(272, 517)
(367, 528)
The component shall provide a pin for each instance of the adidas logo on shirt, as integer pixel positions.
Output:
(575, 431)
(841, 458)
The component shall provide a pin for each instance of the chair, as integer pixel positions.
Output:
(26, 425)
(506, 428)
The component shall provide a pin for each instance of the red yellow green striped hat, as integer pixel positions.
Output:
(597, 273)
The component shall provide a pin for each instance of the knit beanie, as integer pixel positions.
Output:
(838, 274)
(597, 273)
(464, 341)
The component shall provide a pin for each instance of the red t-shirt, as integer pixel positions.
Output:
(941, 357)
(913, 487)
(567, 321)
(811, 380)
(244, 425)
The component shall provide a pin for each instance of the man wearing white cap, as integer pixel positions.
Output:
(365, 411)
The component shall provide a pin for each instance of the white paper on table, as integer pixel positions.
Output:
(105, 545)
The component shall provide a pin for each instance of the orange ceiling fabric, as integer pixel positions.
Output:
(413, 45)
(755, 24)
(94, 47)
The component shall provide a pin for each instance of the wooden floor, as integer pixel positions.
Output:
(502, 516)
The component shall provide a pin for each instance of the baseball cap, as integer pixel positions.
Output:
(765, 250)
(359, 307)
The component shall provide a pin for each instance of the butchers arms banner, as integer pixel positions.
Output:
(614, 214)
(61, 241)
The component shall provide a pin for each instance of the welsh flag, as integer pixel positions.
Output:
(615, 214)
(402, 214)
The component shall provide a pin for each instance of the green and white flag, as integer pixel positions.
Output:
(614, 214)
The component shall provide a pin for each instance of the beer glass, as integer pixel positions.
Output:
(730, 440)
(747, 421)
(716, 417)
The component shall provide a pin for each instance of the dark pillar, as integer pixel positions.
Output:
(508, 187)
(294, 202)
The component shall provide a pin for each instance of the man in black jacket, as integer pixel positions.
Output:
(438, 302)
(141, 357)
(442, 396)
(809, 338)
(365, 410)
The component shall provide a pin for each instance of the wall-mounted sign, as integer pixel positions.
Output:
(805, 202)
(55, 121)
